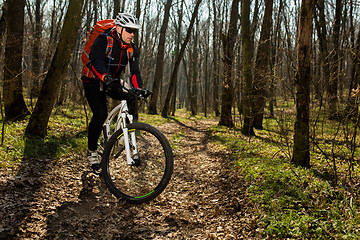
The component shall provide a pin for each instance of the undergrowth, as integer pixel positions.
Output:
(66, 132)
(293, 202)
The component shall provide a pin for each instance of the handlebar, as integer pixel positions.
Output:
(139, 93)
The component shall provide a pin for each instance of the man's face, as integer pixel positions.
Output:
(127, 34)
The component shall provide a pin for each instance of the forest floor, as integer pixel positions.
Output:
(59, 199)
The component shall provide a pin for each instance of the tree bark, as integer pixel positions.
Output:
(116, 8)
(50, 89)
(215, 62)
(333, 83)
(36, 66)
(14, 103)
(301, 149)
(2, 33)
(247, 88)
(179, 57)
(194, 72)
(261, 79)
(228, 48)
(177, 49)
(159, 61)
(275, 56)
(206, 71)
(322, 35)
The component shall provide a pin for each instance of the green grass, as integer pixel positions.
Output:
(293, 202)
(66, 133)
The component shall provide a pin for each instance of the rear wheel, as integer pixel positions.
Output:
(148, 177)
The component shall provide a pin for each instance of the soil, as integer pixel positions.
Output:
(61, 199)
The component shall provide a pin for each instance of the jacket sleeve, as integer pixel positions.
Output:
(98, 57)
(135, 76)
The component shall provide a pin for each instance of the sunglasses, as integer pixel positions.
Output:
(130, 30)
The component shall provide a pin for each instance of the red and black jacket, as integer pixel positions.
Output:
(101, 64)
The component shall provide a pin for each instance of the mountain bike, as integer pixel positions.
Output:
(137, 160)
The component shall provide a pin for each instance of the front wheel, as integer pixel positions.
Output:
(146, 179)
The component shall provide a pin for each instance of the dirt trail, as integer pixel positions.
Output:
(57, 200)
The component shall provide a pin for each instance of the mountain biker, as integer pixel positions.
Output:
(107, 70)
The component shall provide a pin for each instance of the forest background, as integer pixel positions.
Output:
(296, 62)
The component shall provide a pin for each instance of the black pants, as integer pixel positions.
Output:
(98, 104)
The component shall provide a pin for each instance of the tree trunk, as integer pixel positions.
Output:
(228, 45)
(138, 10)
(179, 57)
(2, 34)
(333, 83)
(195, 72)
(247, 88)
(50, 89)
(275, 58)
(301, 149)
(14, 103)
(159, 61)
(177, 49)
(116, 8)
(261, 80)
(206, 71)
(35, 89)
(322, 34)
(215, 63)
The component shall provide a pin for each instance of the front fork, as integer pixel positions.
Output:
(129, 147)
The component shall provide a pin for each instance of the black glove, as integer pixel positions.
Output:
(113, 87)
(109, 80)
(147, 92)
(141, 92)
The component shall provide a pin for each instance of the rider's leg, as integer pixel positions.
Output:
(97, 103)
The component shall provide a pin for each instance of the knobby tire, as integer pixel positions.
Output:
(142, 183)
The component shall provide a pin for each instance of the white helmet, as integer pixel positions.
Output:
(127, 20)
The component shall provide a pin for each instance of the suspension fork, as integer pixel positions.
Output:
(127, 138)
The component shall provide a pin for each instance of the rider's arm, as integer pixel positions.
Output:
(135, 71)
(98, 57)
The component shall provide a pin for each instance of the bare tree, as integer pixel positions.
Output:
(215, 64)
(247, 88)
(14, 103)
(206, 85)
(194, 71)
(178, 28)
(40, 117)
(320, 23)
(36, 57)
(275, 55)
(228, 48)
(2, 30)
(179, 57)
(333, 81)
(301, 150)
(159, 61)
(261, 79)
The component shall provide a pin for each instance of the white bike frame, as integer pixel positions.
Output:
(121, 111)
